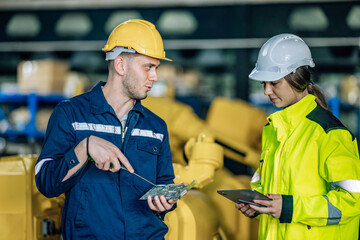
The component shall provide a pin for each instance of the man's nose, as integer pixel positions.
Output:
(153, 75)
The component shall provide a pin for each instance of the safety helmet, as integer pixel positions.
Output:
(279, 56)
(138, 35)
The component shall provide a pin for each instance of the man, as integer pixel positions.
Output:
(90, 136)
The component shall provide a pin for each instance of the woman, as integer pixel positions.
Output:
(310, 165)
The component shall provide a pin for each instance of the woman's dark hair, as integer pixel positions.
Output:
(301, 80)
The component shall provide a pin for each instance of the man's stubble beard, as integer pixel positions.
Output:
(130, 87)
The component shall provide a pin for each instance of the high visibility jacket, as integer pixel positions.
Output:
(100, 204)
(310, 158)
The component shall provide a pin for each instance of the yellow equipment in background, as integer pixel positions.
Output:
(242, 123)
(237, 127)
(195, 218)
(24, 212)
(184, 124)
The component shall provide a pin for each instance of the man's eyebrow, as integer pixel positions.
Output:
(151, 65)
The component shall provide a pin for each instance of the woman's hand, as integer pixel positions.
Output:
(246, 210)
(273, 207)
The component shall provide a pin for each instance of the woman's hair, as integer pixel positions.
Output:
(301, 80)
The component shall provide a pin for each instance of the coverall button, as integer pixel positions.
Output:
(72, 161)
(155, 149)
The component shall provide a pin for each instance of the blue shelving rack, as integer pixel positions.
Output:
(32, 101)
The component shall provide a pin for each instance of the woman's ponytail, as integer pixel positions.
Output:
(301, 80)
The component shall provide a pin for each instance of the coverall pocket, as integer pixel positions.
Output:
(148, 152)
(81, 209)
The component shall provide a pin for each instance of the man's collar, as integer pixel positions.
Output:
(99, 105)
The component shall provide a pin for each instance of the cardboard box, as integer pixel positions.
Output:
(42, 76)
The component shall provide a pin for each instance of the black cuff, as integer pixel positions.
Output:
(255, 215)
(287, 209)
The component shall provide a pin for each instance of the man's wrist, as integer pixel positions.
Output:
(89, 158)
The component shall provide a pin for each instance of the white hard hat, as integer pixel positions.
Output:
(279, 56)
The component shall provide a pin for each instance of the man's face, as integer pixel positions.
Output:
(281, 94)
(140, 76)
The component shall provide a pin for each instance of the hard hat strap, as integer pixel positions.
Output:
(116, 51)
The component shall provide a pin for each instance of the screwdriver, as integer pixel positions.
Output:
(123, 168)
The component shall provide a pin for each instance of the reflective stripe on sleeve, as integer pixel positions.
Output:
(334, 214)
(255, 177)
(39, 164)
(350, 185)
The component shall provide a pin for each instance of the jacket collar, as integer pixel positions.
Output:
(294, 114)
(99, 104)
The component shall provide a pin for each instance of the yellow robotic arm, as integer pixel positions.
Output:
(205, 157)
(241, 141)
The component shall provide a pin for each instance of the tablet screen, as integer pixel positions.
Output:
(244, 196)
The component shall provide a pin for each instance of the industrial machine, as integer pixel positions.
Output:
(24, 212)
(236, 126)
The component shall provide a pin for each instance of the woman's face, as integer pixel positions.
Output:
(281, 94)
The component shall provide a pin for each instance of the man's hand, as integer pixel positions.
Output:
(106, 155)
(273, 208)
(160, 204)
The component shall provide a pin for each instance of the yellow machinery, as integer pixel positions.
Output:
(24, 212)
(237, 126)
(195, 217)
(240, 141)
(242, 123)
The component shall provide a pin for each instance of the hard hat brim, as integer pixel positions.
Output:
(265, 76)
(167, 59)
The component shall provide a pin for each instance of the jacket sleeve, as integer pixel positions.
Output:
(339, 166)
(57, 156)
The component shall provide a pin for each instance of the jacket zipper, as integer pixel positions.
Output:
(123, 130)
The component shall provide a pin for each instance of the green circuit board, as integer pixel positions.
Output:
(171, 192)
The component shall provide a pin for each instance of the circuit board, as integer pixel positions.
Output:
(171, 192)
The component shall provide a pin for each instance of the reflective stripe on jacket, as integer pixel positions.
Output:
(100, 204)
(310, 158)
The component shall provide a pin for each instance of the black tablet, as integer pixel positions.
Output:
(244, 196)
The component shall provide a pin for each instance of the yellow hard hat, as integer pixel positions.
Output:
(139, 35)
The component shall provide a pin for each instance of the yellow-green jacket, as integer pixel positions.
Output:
(310, 158)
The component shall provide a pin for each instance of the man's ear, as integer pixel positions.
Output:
(120, 65)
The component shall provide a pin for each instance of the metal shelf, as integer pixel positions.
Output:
(32, 101)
